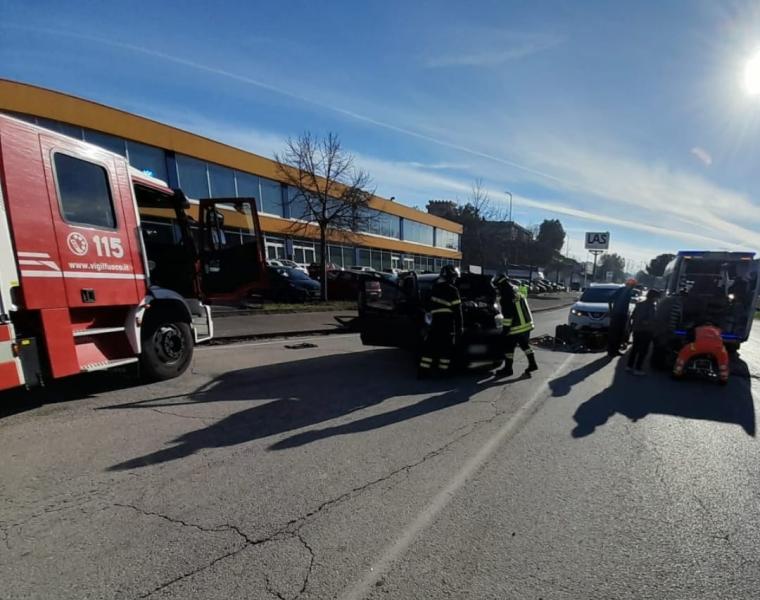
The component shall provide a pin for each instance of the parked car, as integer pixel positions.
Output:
(365, 269)
(592, 310)
(313, 270)
(348, 284)
(290, 264)
(291, 285)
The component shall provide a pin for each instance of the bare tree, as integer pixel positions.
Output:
(329, 191)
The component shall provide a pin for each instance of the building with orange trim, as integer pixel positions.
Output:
(399, 237)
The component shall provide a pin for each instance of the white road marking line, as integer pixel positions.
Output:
(362, 588)
(282, 340)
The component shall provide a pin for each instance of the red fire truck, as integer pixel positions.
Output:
(84, 285)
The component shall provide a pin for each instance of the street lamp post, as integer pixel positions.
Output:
(511, 230)
(510, 206)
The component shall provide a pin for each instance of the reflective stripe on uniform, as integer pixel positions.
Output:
(520, 328)
(440, 310)
(440, 301)
(426, 360)
(529, 351)
(455, 302)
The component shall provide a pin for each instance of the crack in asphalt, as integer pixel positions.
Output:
(292, 529)
(173, 414)
(712, 530)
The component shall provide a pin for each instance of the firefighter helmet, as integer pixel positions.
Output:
(450, 273)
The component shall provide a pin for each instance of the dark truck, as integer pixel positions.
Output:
(720, 288)
(396, 317)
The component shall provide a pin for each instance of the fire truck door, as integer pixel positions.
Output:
(88, 195)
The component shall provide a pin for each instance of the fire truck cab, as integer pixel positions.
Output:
(75, 280)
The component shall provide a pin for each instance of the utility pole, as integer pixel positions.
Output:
(510, 207)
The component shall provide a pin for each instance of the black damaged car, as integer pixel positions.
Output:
(397, 317)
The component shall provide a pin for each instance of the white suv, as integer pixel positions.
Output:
(592, 310)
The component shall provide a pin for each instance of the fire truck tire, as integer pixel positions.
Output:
(167, 348)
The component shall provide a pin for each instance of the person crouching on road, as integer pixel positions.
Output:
(518, 323)
(619, 306)
(445, 308)
(643, 323)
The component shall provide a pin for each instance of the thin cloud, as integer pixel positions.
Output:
(500, 49)
(654, 192)
(702, 154)
(283, 92)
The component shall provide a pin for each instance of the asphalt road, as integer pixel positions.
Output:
(331, 472)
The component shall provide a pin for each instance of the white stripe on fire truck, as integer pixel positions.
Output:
(83, 275)
(42, 263)
(34, 254)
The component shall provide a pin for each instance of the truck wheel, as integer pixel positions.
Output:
(167, 348)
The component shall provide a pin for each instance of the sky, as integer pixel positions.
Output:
(632, 118)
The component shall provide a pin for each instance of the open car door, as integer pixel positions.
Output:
(231, 249)
(396, 317)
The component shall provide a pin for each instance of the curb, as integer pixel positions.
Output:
(234, 339)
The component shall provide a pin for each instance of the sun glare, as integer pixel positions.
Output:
(752, 75)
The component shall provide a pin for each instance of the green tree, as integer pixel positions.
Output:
(551, 234)
(656, 266)
(610, 262)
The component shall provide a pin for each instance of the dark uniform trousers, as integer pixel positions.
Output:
(438, 349)
(518, 323)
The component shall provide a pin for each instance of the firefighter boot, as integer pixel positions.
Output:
(532, 365)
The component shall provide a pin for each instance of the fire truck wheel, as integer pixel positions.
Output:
(167, 348)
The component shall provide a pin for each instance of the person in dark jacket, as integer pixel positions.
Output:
(619, 305)
(517, 325)
(643, 324)
(445, 308)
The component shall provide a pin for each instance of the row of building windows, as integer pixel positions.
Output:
(307, 252)
(199, 179)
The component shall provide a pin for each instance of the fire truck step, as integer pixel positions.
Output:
(98, 331)
(109, 364)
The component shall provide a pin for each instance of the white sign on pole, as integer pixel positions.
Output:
(597, 240)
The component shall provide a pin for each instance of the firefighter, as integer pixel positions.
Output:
(518, 323)
(619, 307)
(704, 340)
(445, 308)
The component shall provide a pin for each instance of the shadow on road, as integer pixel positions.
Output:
(637, 397)
(68, 389)
(561, 386)
(318, 390)
(462, 393)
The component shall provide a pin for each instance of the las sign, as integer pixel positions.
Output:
(597, 240)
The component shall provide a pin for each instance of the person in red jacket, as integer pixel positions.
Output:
(707, 341)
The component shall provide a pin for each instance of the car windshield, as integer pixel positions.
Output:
(598, 294)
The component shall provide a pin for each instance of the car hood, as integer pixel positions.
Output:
(592, 306)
